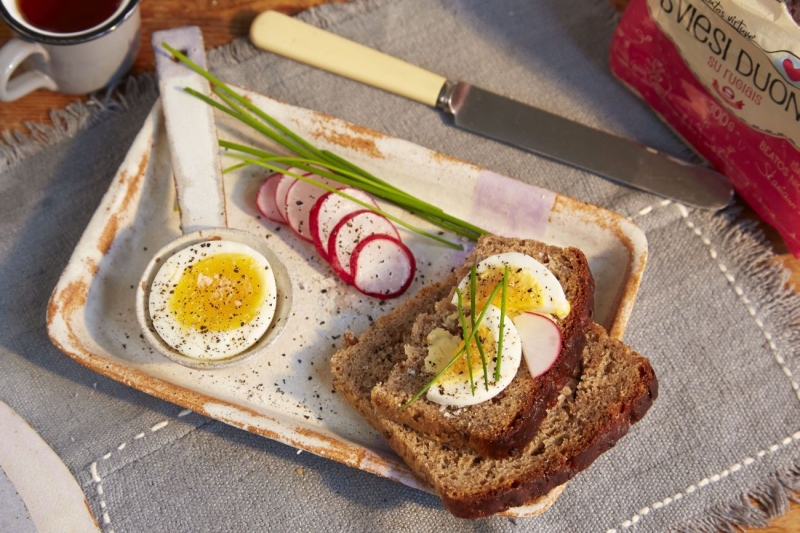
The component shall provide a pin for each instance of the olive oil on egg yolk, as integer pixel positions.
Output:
(523, 292)
(218, 293)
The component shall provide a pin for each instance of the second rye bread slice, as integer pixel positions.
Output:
(501, 427)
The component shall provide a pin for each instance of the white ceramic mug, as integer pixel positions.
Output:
(72, 63)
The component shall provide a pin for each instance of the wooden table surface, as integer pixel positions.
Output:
(221, 21)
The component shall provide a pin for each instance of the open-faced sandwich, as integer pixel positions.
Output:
(494, 385)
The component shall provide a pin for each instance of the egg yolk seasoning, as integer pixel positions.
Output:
(218, 293)
(524, 290)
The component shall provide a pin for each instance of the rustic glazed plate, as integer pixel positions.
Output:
(287, 394)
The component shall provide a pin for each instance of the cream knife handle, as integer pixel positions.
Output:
(302, 42)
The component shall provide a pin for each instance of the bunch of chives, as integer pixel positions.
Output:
(309, 159)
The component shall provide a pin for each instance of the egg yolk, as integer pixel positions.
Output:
(218, 293)
(522, 294)
(442, 347)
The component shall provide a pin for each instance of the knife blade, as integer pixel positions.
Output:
(498, 117)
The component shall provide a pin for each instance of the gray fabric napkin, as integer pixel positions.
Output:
(713, 314)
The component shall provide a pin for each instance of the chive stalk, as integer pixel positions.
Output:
(465, 334)
(502, 325)
(473, 289)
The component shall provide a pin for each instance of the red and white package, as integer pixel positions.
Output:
(725, 75)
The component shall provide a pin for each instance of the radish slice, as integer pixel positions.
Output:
(382, 266)
(349, 232)
(265, 199)
(299, 201)
(283, 187)
(328, 210)
(541, 341)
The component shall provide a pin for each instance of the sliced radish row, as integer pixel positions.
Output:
(300, 199)
(329, 209)
(265, 199)
(362, 246)
(541, 341)
(349, 232)
(382, 266)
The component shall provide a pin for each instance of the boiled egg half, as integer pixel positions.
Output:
(454, 386)
(213, 300)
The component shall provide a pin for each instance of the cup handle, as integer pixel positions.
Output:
(11, 56)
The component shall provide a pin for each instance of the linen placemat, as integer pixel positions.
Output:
(713, 314)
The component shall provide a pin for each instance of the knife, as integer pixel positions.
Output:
(495, 116)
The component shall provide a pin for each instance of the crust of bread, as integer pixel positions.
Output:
(499, 428)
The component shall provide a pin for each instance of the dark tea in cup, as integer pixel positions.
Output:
(67, 16)
(74, 46)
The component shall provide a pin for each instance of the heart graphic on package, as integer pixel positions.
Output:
(791, 70)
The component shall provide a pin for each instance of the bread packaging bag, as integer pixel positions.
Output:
(725, 75)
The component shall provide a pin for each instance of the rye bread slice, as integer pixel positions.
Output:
(499, 428)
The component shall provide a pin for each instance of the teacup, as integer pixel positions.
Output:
(60, 55)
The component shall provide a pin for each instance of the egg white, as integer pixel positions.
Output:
(552, 299)
(209, 345)
(455, 390)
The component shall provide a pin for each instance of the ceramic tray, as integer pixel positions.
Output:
(287, 394)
